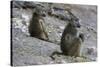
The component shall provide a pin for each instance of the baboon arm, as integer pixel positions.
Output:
(43, 27)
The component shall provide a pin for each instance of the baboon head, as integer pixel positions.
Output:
(40, 11)
(75, 23)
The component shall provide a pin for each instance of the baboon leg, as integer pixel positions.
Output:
(75, 48)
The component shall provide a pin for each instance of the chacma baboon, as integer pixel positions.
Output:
(37, 26)
(70, 40)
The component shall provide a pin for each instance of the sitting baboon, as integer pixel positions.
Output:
(70, 40)
(37, 25)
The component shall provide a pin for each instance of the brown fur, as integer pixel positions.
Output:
(37, 27)
(70, 41)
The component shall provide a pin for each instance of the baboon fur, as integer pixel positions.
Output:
(70, 40)
(37, 26)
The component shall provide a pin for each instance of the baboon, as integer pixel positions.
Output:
(37, 25)
(70, 40)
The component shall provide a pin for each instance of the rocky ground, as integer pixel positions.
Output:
(28, 50)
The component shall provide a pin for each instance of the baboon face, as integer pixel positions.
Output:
(76, 23)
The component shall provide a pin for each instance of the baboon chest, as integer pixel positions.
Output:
(37, 25)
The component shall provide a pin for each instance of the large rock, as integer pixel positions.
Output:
(29, 50)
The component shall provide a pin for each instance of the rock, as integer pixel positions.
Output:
(62, 27)
(23, 4)
(17, 4)
(32, 51)
(16, 13)
(36, 46)
(91, 50)
(68, 59)
(30, 60)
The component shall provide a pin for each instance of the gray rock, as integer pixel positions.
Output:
(32, 51)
